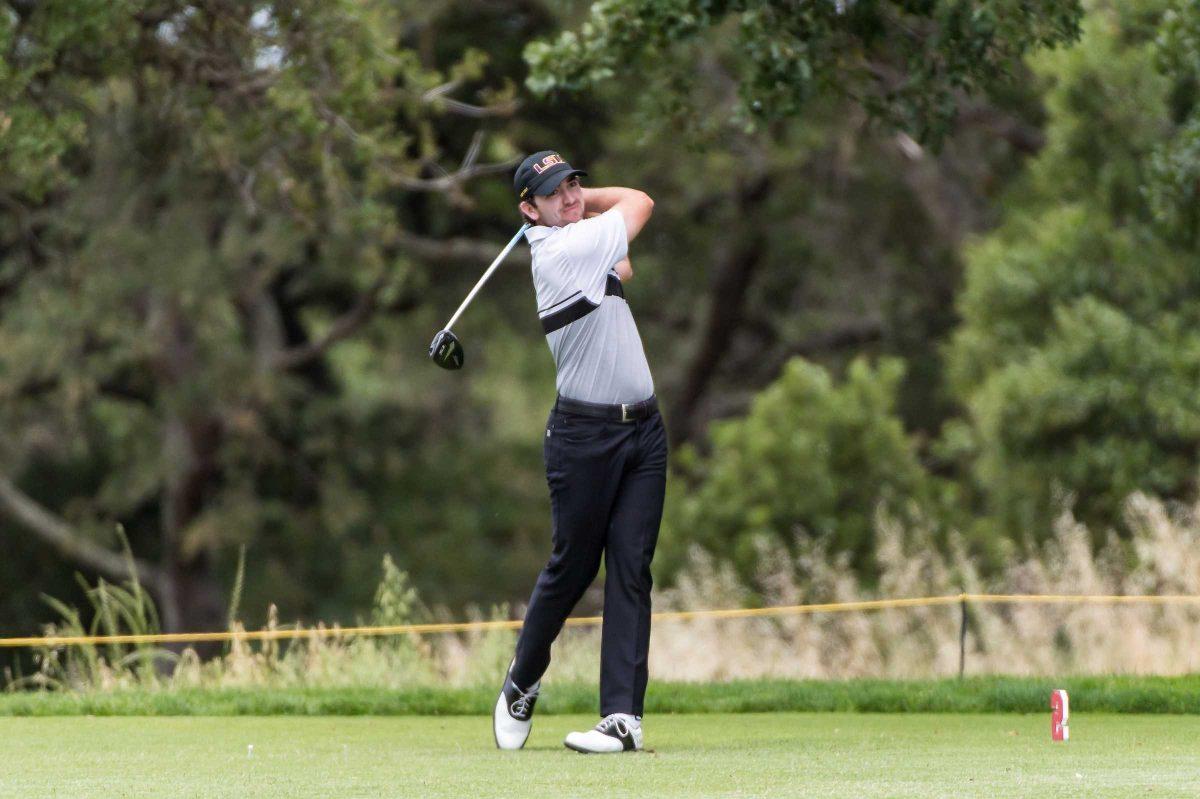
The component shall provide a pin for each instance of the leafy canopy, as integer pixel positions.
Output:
(905, 62)
(1079, 351)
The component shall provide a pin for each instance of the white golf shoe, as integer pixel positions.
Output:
(619, 732)
(512, 717)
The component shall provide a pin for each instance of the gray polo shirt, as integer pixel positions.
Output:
(582, 308)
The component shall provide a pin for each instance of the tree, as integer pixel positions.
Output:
(810, 461)
(200, 204)
(907, 64)
(1078, 354)
(834, 231)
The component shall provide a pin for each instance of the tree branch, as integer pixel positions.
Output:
(69, 542)
(109, 387)
(437, 97)
(453, 180)
(343, 327)
(852, 335)
(732, 278)
(456, 249)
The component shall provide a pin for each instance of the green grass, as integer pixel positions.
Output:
(713, 755)
(1179, 695)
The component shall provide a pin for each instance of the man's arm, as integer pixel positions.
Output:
(624, 267)
(634, 206)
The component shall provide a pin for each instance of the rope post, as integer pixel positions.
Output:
(962, 636)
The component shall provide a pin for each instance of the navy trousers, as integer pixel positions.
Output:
(607, 481)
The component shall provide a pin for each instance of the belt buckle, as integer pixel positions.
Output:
(624, 412)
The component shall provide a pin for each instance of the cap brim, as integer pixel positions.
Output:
(549, 181)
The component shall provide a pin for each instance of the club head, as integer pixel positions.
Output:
(446, 350)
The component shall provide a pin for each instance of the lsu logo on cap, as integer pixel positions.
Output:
(547, 162)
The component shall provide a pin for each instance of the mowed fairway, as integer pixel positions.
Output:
(779, 754)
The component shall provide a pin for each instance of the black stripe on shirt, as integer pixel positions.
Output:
(575, 311)
(580, 308)
(613, 287)
(568, 298)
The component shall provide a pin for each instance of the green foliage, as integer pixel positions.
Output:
(129, 610)
(191, 190)
(43, 96)
(1017, 277)
(193, 194)
(1174, 190)
(116, 610)
(902, 61)
(1106, 107)
(1174, 187)
(1078, 354)
(1102, 407)
(396, 600)
(812, 459)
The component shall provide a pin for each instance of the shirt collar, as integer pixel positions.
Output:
(539, 232)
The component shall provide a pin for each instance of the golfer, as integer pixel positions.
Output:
(605, 449)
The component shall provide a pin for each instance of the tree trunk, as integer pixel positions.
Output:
(192, 600)
(732, 277)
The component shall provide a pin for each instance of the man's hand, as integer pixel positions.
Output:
(624, 270)
(635, 206)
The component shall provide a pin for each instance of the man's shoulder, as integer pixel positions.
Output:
(579, 247)
(544, 244)
(582, 237)
(557, 241)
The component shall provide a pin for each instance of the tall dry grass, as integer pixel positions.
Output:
(1163, 557)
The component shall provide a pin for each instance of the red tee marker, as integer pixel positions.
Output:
(1059, 714)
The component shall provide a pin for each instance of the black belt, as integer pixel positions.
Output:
(622, 412)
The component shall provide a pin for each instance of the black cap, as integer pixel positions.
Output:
(541, 173)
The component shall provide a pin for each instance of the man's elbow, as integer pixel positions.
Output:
(635, 206)
(643, 208)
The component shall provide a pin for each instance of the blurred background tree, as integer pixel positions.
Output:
(229, 231)
(216, 205)
(1078, 355)
(811, 460)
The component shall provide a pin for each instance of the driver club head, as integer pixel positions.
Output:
(446, 350)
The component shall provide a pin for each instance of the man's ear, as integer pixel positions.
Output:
(529, 209)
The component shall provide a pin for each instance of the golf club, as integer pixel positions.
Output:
(446, 350)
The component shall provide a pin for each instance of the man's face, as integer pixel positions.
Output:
(561, 207)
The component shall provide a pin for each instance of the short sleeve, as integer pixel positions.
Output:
(594, 246)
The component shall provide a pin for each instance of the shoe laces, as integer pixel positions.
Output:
(614, 720)
(520, 706)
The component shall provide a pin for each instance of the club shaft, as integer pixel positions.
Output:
(496, 263)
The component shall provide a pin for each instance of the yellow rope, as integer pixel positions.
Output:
(1165, 599)
(580, 621)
